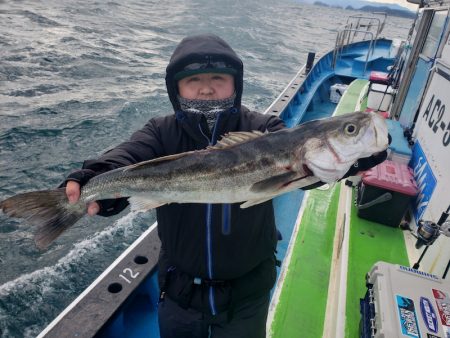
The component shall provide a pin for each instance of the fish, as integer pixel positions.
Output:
(243, 167)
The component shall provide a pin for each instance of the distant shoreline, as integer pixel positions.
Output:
(392, 12)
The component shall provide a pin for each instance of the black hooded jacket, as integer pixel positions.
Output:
(207, 242)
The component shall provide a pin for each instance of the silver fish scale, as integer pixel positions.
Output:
(228, 174)
(208, 176)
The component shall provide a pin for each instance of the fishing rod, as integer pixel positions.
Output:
(428, 232)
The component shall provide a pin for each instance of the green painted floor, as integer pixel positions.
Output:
(370, 242)
(302, 303)
(303, 299)
(349, 100)
(301, 308)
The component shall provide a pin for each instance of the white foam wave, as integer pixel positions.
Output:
(44, 278)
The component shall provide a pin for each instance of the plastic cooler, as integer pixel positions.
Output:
(336, 92)
(379, 77)
(385, 192)
(380, 97)
(402, 302)
(399, 150)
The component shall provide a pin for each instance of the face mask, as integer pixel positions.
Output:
(210, 108)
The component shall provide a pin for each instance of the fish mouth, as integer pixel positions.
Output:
(381, 131)
(308, 172)
(328, 175)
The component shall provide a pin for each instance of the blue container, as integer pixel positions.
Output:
(399, 150)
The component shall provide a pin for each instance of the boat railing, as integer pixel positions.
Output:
(359, 28)
(366, 23)
(132, 273)
(340, 45)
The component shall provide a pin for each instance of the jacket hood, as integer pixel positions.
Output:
(205, 48)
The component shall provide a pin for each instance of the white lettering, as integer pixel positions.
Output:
(429, 316)
(420, 175)
(420, 167)
(129, 273)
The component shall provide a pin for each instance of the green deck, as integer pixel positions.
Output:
(369, 243)
(350, 100)
(301, 307)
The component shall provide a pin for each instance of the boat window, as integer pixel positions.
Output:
(434, 34)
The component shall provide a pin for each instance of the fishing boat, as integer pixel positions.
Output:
(335, 239)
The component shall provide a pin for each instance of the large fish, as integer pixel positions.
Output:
(249, 167)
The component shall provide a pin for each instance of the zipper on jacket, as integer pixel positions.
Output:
(209, 258)
(225, 220)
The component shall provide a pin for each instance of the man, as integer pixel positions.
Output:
(217, 264)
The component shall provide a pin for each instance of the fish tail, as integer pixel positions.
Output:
(49, 210)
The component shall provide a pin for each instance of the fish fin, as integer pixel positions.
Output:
(278, 184)
(251, 203)
(49, 210)
(228, 140)
(158, 160)
(304, 182)
(287, 182)
(237, 137)
(142, 203)
(273, 183)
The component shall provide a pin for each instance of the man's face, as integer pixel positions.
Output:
(207, 86)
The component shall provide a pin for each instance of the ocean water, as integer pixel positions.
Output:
(78, 77)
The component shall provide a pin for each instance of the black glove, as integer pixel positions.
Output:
(313, 186)
(81, 176)
(108, 207)
(366, 163)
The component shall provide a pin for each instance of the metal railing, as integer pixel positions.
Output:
(340, 45)
(358, 28)
(366, 23)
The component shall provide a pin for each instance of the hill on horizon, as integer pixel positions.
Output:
(366, 6)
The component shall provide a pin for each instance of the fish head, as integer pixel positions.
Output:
(341, 141)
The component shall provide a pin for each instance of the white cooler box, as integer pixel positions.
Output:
(380, 97)
(337, 91)
(402, 302)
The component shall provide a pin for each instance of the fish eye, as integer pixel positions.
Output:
(350, 129)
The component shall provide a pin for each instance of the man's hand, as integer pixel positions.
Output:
(73, 194)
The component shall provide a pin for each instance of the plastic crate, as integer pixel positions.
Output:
(403, 302)
(385, 192)
(336, 92)
(380, 97)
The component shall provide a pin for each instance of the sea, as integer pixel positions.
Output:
(79, 77)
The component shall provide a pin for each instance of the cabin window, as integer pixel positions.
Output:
(434, 34)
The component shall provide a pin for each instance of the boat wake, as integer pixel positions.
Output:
(40, 292)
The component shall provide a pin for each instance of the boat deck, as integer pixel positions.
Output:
(308, 102)
(324, 274)
(352, 63)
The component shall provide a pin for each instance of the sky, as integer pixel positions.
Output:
(403, 3)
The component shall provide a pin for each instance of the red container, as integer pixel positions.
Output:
(379, 77)
(385, 193)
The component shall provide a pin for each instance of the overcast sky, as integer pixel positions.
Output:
(403, 3)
